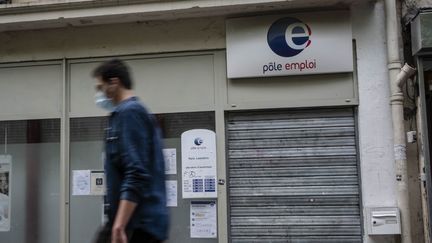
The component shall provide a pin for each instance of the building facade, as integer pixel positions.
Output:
(304, 152)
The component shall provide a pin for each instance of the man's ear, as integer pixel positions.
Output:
(115, 81)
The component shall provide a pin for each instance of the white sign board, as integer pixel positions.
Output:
(199, 164)
(5, 179)
(203, 219)
(295, 44)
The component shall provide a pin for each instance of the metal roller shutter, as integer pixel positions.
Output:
(293, 177)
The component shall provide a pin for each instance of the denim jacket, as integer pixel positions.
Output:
(134, 168)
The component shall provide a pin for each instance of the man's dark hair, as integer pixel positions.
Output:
(114, 68)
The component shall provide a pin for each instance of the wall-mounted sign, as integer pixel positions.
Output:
(199, 164)
(294, 44)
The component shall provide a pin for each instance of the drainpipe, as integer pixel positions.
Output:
(397, 78)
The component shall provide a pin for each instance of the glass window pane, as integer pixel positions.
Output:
(86, 149)
(29, 175)
(173, 125)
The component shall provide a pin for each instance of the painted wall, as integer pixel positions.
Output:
(110, 40)
(375, 126)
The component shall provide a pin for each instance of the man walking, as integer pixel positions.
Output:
(134, 163)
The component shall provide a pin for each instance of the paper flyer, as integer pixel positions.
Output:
(203, 219)
(170, 157)
(97, 186)
(5, 179)
(171, 191)
(81, 182)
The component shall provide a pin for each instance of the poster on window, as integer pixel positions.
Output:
(171, 191)
(5, 179)
(203, 219)
(97, 183)
(80, 182)
(88, 183)
(170, 157)
(199, 164)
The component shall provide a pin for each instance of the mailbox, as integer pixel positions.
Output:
(383, 221)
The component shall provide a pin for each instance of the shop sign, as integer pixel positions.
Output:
(295, 44)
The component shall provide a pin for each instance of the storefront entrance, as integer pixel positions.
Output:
(293, 176)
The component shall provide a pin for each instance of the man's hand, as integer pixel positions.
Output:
(124, 213)
(118, 235)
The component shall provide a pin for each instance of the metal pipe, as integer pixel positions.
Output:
(399, 141)
(397, 78)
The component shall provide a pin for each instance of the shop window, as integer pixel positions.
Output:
(86, 153)
(29, 181)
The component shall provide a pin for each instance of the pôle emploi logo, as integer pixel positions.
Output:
(198, 141)
(288, 37)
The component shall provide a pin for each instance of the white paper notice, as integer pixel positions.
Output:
(199, 164)
(5, 179)
(171, 191)
(170, 156)
(81, 182)
(203, 219)
(400, 152)
(97, 186)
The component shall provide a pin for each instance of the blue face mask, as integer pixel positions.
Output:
(104, 102)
